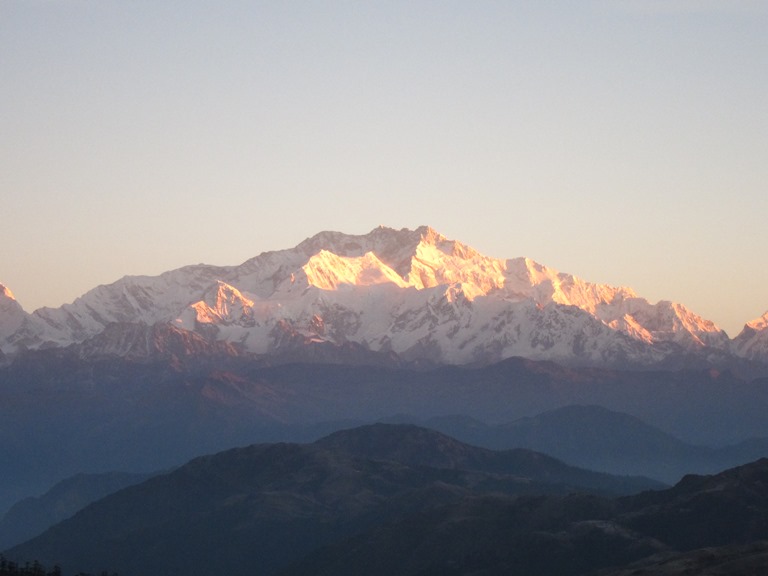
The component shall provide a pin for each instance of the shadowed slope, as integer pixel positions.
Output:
(662, 532)
(267, 504)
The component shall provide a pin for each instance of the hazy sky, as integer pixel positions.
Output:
(623, 141)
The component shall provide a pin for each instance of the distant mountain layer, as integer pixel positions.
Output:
(597, 438)
(32, 516)
(61, 414)
(396, 295)
(394, 499)
(589, 437)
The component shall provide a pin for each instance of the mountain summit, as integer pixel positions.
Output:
(12, 316)
(413, 295)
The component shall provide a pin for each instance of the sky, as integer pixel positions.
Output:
(622, 141)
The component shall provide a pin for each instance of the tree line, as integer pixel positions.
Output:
(10, 568)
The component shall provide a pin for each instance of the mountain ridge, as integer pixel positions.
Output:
(362, 501)
(412, 293)
(264, 504)
(596, 438)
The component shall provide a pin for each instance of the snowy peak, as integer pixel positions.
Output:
(662, 322)
(437, 261)
(759, 324)
(528, 279)
(412, 293)
(223, 304)
(9, 307)
(269, 272)
(144, 299)
(618, 307)
(674, 319)
(421, 258)
(5, 293)
(328, 271)
(12, 317)
(752, 341)
(393, 247)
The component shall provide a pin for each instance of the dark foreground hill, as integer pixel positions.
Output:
(744, 560)
(704, 525)
(258, 509)
(398, 499)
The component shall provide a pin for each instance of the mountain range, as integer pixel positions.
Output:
(400, 499)
(401, 326)
(61, 414)
(597, 438)
(33, 515)
(389, 296)
(259, 508)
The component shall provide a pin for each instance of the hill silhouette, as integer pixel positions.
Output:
(266, 505)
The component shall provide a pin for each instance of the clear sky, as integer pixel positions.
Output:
(623, 141)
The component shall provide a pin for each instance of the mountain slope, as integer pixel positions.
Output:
(13, 320)
(735, 560)
(715, 510)
(752, 341)
(594, 437)
(416, 446)
(265, 505)
(568, 536)
(32, 516)
(327, 508)
(412, 293)
(602, 439)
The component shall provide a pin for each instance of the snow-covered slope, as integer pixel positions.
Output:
(414, 293)
(752, 341)
(12, 316)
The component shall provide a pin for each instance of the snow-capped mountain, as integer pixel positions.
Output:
(752, 341)
(411, 293)
(12, 316)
